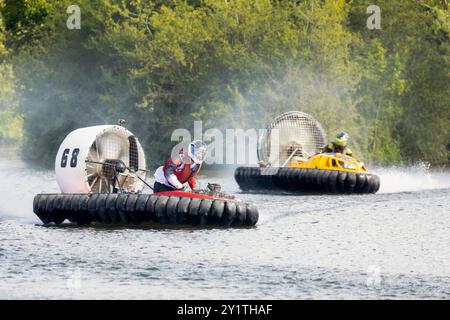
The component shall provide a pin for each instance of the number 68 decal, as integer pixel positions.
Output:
(73, 159)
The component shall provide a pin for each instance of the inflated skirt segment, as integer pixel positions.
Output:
(112, 208)
(305, 180)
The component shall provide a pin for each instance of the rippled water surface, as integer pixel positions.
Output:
(395, 244)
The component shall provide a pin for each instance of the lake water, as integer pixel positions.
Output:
(394, 244)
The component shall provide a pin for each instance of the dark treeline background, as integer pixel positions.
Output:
(231, 63)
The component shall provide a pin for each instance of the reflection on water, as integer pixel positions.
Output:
(390, 245)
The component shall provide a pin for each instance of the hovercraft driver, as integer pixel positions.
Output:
(182, 168)
(339, 145)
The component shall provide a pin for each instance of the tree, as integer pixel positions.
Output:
(10, 121)
(163, 64)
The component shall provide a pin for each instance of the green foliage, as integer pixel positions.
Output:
(10, 121)
(237, 63)
(405, 91)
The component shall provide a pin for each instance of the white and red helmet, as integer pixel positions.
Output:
(197, 151)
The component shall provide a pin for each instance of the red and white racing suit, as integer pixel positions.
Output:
(179, 170)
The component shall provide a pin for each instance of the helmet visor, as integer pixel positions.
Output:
(341, 142)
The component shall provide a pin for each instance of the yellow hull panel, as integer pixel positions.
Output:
(329, 161)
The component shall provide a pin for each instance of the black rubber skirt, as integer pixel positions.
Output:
(141, 208)
(305, 180)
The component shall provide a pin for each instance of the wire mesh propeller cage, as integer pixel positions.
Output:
(293, 131)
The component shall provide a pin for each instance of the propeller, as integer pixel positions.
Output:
(113, 163)
(291, 134)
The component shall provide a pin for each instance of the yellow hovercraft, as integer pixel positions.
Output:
(290, 168)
